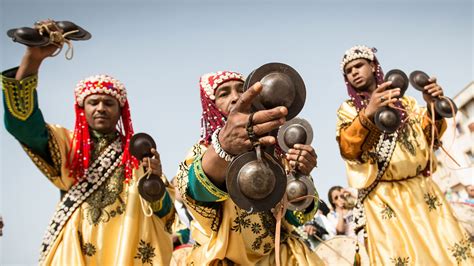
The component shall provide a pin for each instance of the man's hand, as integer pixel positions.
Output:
(33, 58)
(381, 97)
(234, 137)
(304, 157)
(310, 229)
(154, 163)
(432, 91)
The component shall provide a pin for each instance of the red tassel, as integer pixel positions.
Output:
(129, 162)
(80, 146)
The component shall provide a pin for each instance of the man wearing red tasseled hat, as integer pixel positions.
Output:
(100, 219)
(226, 234)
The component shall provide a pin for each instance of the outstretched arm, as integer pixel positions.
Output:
(23, 119)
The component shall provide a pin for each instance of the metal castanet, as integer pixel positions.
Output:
(282, 86)
(37, 36)
(256, 181)
(294, 131)
(443, 106)
(297, 131)
(387, 119)
(151, 188)
(299, 186)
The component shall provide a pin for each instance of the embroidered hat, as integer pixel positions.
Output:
(357, 52)
(100, 84)
(212, 118)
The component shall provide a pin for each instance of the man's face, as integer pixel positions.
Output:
(470, 191)
(337, 198)
(227, 95)
(360, 73)
(102, 112)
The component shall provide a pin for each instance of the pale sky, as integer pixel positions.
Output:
(159, 49)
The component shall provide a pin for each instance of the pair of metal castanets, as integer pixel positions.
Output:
(256, 180)
(50, 32)
(388, 120)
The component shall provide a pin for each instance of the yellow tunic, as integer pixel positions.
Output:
(227, 235)
(109, 227)
(408, 220)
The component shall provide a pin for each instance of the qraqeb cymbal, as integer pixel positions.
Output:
(387, 119)
(399, 80)
(253, 184)
(282, 86)
(444, 106)
(35, 37)
(294, 131)
(150, 187)
(300, 186)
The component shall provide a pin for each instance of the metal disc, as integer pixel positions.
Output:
(67, 26)
(296, 130)
(151, 188)
(141, 145)
(419, 79)
(399, 80)
(235, 192)
(28, 36)
(444, 109)
(295, 183)
(282, 85)
(387, 119)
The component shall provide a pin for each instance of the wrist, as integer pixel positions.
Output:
(218, 148)
(32, 58)
(369, 114)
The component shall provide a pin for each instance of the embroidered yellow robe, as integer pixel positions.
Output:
(408, 220)
(228, 235)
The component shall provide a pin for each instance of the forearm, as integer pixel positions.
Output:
(200, 187)
(214, 167)
(23, 119)
(361, 135)
(439, 124)
(340, 227)
(164, 206)
(29, 66)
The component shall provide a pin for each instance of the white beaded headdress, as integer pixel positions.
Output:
(212, 118)
(357, 52)
(100, 84)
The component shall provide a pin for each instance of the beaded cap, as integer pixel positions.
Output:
(211, 117)
(81, 141)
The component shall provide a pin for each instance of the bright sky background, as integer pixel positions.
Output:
(159, 49)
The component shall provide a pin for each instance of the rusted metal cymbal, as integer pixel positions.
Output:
(399, 80)
(255, 185)
(294, 131)
(299, 186)
(282, 86)
(141, 145)
(387, 119)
